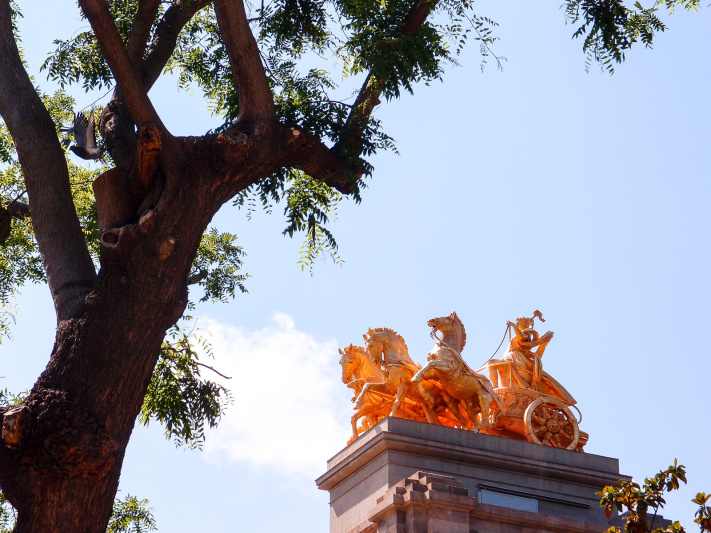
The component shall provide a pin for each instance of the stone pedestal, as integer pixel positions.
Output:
(409, 477)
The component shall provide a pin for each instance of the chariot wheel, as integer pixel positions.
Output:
(548, 421)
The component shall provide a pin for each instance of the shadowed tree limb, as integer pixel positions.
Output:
(116, 125)
(141, 29)
(307, 152)
(70, 270)
(166, 37)
(19, 209)
(124, 71)
(255, 96)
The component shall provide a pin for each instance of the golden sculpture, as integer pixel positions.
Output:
(376, 402)
(359, 369)
(520, 402)
(445, 364)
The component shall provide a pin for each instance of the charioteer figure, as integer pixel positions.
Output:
(521, 366)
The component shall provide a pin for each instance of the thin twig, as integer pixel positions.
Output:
(99, 98)
(215, 371)
(17, 197)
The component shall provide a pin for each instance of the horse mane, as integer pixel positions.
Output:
(390, 332)
(458, 321)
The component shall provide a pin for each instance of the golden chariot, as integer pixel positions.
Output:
(518, 400)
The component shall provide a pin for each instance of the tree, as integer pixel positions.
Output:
(144, 222)
(638, 501)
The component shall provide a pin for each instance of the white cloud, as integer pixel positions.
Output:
(284, 384)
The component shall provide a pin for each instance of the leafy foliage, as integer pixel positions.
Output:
(638, 501)
(8, 515)
(178, 398)
(7, 319)
(79, 60)
(299, 41)
(309, 206)
(216, 268)
(703, 514)
(131, 515)
(609, 28)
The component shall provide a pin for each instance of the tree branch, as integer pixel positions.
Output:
(350, 144)
(255, 96)
(19, 209)
(305, 151)
(166, 36)
(116, 124)
(141, 29)
(70, 270)
(215, 371)
(127, 78)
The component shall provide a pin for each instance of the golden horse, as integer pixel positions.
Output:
(388, 349)
(359, 369)
(445, 364)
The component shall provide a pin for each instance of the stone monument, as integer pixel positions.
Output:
(429, 457)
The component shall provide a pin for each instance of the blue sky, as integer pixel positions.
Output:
(538, 187)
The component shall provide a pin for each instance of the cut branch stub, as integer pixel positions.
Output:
(232, 136)
(150, 144)
(110, 237)
(147, 222)
(165, 247)
(14, 424)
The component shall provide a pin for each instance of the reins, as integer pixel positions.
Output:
(507, 330)
(434, 336)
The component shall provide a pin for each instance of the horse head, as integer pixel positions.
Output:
(451, 328)
(373, 346)
(385, 346)
(350, 362)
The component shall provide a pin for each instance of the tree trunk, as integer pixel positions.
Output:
(65, 445)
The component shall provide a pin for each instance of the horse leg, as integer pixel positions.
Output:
(454, 409)
(472, 414)
(485, 406)
(424, 388)
(431, 414)
(420, 373)
(402, 389)
(354, 423)
(361, 396)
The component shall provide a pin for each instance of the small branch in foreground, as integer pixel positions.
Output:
(215, 371)
(185, 350)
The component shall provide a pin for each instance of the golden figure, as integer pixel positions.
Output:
(521, 366)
